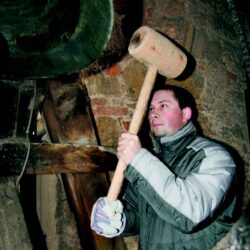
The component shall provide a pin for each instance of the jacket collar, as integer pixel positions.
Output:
(175, 141)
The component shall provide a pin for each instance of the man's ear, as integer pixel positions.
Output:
(187, 114)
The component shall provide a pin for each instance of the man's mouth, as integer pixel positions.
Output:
(157, 125)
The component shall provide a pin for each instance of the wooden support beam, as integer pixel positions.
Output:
(68, 118)
(53, 158)
(14, 233)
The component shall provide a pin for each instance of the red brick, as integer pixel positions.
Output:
(113, 71)
(98, 102)
(125, 125)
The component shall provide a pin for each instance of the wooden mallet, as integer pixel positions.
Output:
(160, 55)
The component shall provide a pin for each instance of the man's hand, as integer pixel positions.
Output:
(128, 146)
(107, 218)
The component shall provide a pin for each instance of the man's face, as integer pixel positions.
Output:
(165, 116)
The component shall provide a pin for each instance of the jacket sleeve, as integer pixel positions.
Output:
(130, 205)
(184, 203)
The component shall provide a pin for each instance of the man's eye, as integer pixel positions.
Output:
(163, 106)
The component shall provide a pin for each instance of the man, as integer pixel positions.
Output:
(181, 195)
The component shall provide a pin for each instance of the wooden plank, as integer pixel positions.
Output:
(68, 119)
(61, 158)
(14, 233)
(54, 158)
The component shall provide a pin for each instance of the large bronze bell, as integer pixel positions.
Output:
(43, 39)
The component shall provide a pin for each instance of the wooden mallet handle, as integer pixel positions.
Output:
(134, 127)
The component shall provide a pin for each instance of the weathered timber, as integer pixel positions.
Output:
(67, 115)
(13, 233)
(53, 158)
(85, 189)
(68, 120)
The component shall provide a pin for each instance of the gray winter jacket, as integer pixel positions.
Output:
(181, 198)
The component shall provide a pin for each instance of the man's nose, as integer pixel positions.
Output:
(153, 114)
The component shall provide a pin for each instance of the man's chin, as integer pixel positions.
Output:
(158, 133)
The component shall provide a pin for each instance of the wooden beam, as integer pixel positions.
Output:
(53, 158)
(69, 119)
(14, 232)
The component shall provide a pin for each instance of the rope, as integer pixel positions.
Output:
(27, 139)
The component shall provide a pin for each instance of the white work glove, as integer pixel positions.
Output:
(107, 218)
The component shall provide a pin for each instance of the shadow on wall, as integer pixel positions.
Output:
(239, 188)
(191, 62)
